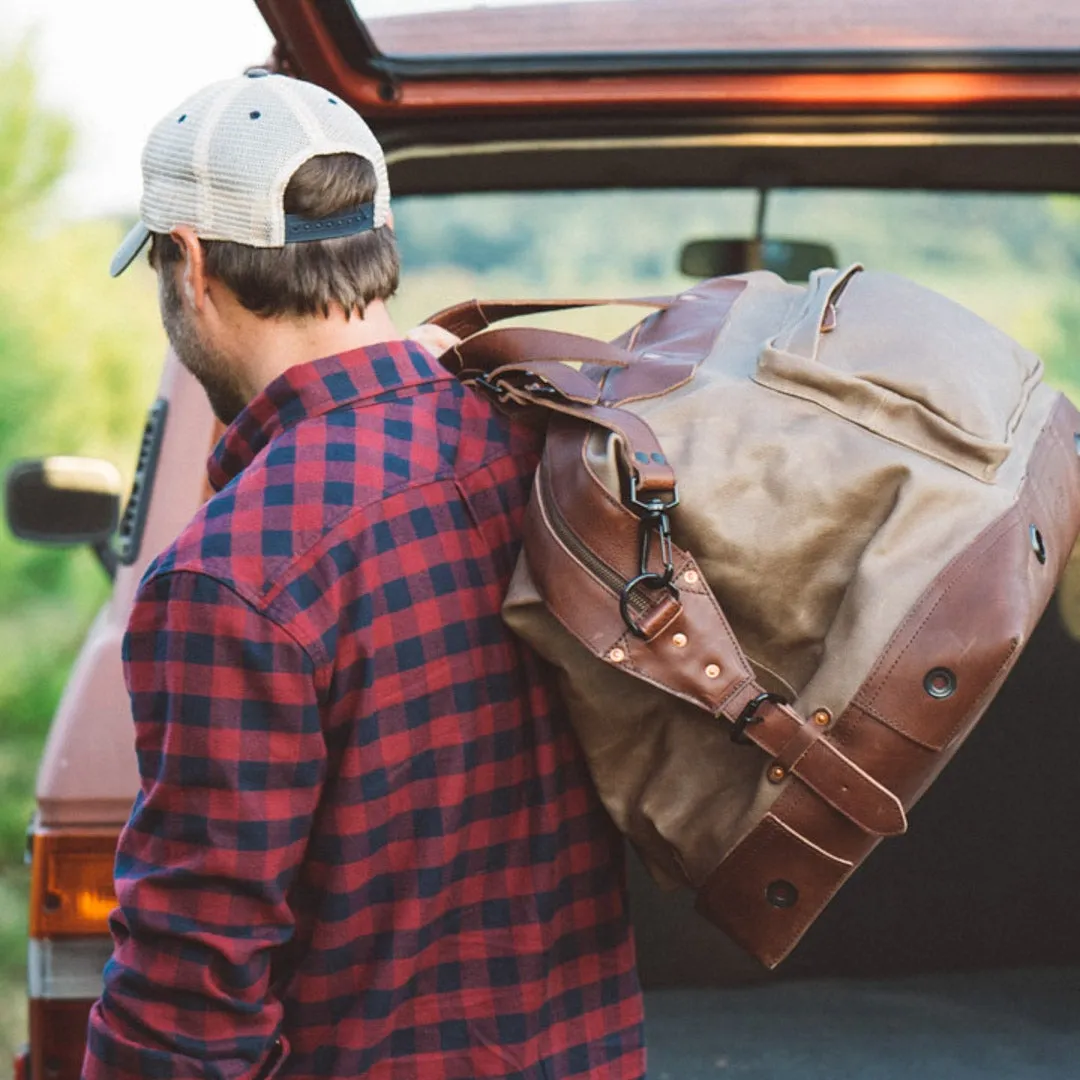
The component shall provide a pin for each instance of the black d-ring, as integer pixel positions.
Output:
(646, 581)
(749, 716)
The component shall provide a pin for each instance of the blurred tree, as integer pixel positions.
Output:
(79, 354)
(35, 143)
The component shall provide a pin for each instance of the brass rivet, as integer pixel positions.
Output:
(691, 577)
(679, 641)
(777, 773)
(713, 671)
(616, 656)
(822, 718)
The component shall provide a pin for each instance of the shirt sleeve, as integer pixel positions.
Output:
(231, 760)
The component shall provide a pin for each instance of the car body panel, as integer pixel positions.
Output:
(952, 59)
(88, 774)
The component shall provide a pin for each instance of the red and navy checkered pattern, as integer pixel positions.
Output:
(365, 844)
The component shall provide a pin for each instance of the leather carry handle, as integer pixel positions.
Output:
(472, 316)
(521, 345)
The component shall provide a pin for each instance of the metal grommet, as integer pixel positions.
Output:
(1038, 545)
(713, 671)
(691, 577)
(822, 717)
(940, 683)
(781, 894)
(680, 641)
(776, 774)
(616, 656)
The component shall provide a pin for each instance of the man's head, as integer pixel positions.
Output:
(266, 204)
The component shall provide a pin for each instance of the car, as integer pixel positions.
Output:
(620, 147)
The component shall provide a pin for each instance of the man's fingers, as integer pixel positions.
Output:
(433, 338)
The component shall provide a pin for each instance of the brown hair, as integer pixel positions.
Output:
(307, 278)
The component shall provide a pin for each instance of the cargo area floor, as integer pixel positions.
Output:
(1004, 1025)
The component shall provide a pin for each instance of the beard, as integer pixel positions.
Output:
(209, 365)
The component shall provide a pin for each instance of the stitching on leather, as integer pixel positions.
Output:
(989, 539)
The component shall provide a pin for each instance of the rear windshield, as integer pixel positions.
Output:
(449, 28)
(1014, 259)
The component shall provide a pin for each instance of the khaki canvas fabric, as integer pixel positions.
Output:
(879, 492)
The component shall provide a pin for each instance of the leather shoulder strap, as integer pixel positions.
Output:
(472, 316)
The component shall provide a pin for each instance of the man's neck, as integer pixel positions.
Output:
(272, 346)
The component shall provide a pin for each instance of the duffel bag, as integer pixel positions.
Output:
(784, 546)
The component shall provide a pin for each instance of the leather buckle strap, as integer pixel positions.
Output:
(828, 772)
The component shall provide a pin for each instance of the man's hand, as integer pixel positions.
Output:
(433, 338)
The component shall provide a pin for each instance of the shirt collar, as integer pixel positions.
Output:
(314, 388)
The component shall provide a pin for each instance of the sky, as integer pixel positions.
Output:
(116, 66)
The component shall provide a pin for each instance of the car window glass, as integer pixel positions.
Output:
(1015, 259)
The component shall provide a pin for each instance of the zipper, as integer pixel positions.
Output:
(607, 575)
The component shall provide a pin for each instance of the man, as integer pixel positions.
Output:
(365, 842)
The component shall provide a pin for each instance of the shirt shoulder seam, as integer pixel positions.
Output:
(251, 601)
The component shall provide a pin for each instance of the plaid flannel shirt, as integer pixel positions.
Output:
(365, 842)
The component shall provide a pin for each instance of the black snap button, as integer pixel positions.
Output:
(940, 683)
(782, 894)
(1038, 545)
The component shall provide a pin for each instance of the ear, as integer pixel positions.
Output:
(193, 271)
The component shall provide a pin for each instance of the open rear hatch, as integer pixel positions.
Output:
(445, 56)
(769, 95)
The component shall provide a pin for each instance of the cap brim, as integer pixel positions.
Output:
(132, 244)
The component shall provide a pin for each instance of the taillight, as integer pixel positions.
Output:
(71, 896)
(71, 890)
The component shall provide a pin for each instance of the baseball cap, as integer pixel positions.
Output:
(221, 161)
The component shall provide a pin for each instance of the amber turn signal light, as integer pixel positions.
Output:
(71, 891)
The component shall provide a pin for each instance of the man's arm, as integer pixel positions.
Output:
(231, 758)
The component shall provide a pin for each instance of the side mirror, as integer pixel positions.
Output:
(793, 260)
(63, 500)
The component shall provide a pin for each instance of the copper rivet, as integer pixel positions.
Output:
(777, 773)
(713, 671)
(822, 717)
(616, 656)
(690, 577)
(679, 641)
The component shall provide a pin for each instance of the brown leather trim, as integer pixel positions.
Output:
(523, 345)
(680, 336)
(974, 617)
(538, 376)
(472, 316)
(754, 897)
(710, 670)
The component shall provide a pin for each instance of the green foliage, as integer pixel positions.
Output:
(34, 143)
(79, 355)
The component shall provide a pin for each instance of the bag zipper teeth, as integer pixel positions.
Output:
(607, 575)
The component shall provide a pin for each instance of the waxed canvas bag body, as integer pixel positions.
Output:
(784, 546)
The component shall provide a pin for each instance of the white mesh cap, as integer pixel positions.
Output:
(221, 161)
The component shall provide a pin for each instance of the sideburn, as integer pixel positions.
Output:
(210, 366)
